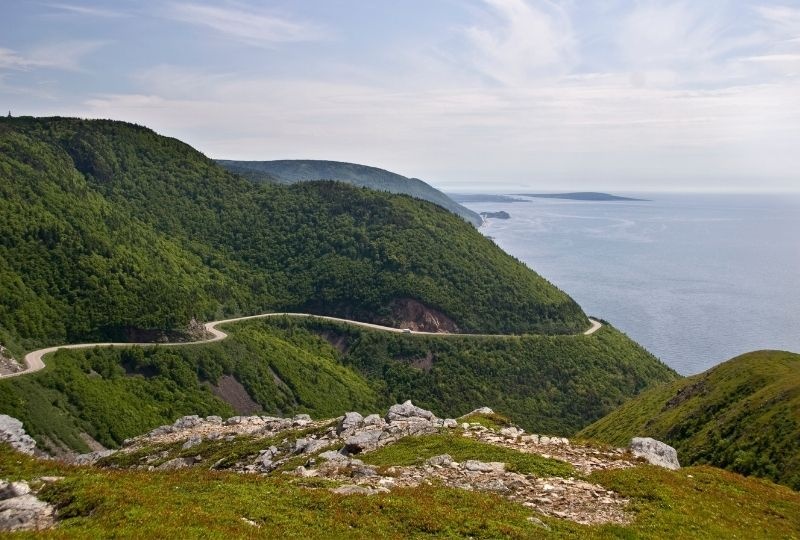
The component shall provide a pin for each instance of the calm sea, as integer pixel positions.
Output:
(696, 279)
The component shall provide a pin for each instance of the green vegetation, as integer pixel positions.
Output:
(697, 502)
(415, 450)
(548, 384)
(107, 228)
(742, 415)
(114, 394)
(289, 171)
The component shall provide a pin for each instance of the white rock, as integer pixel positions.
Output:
(655, 452)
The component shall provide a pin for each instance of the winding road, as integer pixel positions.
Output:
(34, 361)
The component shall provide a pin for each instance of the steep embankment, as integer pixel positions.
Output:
(289, 171)
(557, 384)
(107, 228)
(742, 415)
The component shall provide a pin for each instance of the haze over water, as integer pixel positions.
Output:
(696, 279)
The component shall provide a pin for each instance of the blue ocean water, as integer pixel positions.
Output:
(696, 279)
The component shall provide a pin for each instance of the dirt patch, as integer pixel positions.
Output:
(231, 391)
(93, 445)
(337, 341)
(425, 363)
(410, 313)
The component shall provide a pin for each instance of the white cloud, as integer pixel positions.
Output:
(249, 25)
(518, 40)
(89, 11)
(65, 56)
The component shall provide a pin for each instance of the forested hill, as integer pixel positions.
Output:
(107, 227)
(289, 171)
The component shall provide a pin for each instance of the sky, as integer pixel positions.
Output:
(469, 95)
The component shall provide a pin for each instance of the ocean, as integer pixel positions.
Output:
(696, 279)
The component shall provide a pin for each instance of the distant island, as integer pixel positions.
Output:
(482, 197)
(579, 196)
(496, 215)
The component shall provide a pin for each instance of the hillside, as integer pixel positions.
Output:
(289, 171)
(742, 415)
(108, 230)
(399, 474)
(286, 366)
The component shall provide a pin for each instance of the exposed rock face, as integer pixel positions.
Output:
(409, 313)
(20, 510)
(8, 364)
(12, 432)
(655, 452)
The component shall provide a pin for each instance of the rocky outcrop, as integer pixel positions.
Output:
(12, 433)
(21, 510)
(655, 452)
(8, 364)
(413, 314)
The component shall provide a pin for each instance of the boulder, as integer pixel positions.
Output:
(214, 420)
(332, 455)
(349, 422)
(655, 452)
(90, 458)
(194, 440)
(407, 410)
(12, 433)
(482, 466)
(511, 432)
(443, 460)
(9, 490)
(482, 410)
(187, 422)
(373, 420)
(449, 423)
(25, 513)
(363, 442)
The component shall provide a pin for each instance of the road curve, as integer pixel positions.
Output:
(34, 362)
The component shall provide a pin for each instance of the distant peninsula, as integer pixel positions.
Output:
(496, 215)
(579, 196)
(482, 198)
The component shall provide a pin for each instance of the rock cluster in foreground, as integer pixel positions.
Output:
(332, 449)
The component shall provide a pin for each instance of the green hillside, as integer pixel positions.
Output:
(742, 415)
(551, 384)
(107, 228)
(289, 171)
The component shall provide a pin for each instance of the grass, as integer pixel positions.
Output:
(696, 502)
(415, 450)
(742, 415)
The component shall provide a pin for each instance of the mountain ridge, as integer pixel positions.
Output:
(301, 170)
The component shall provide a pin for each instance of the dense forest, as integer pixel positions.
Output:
(289, 171)
(742, 415)
(548, 384)
(107, 227)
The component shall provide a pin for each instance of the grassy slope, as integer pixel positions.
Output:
(742, 415)
(550, 384)
(298, 170)
(106, 226)
(698, 502)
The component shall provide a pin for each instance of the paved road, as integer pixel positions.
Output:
(34, 359)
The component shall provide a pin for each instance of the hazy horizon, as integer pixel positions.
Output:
(615, 95)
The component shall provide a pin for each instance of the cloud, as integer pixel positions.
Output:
(64, 56)
(88, 11)
(249, 25)
(518, 40)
